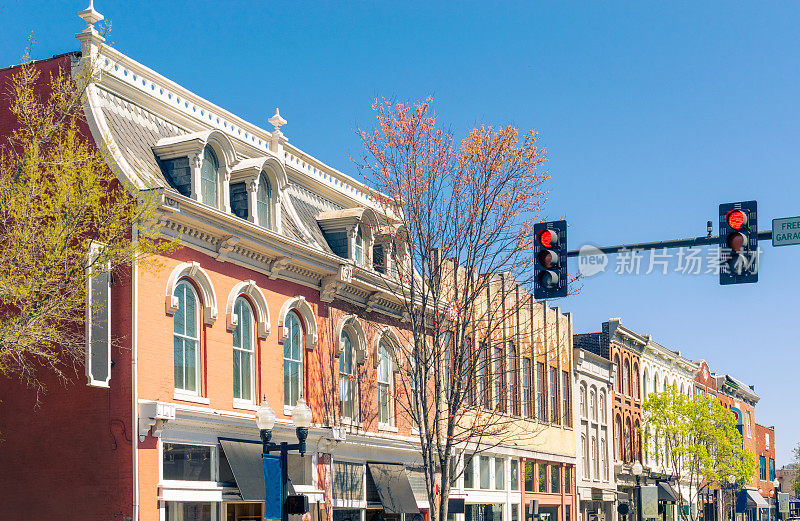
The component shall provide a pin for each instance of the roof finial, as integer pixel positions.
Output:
(277, 121)
(90, 16)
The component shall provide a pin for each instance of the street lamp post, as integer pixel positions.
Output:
(731, 485)
(637, 471)
(265, 419)
(777, 485)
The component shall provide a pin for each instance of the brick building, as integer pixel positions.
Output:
(274, 293)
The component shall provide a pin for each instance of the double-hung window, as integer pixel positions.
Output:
(243, 352)
(264, 202)
(347, 379)
(293, 360)
(209, 178)
(384, 385)
(186, 339)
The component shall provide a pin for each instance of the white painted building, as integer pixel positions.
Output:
(595, 481)
(662, 367)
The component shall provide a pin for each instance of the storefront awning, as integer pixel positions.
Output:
(754, 499)
(667, 493)
(244, 458)
(393, 488)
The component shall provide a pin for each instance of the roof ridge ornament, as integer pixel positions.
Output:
(278, 139)
(90, 37)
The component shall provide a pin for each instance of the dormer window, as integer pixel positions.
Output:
(198, 165)
(264, 202)
(209, 177)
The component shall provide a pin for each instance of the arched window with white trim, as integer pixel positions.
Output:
(186, 338)
(602, 407)
(604, 457)
(582, 397)
(585, 456)
(348, 378)
(385, 384)
(209, 177)
(293, 359)
(264, 202)
(244, 352)
(595, 459)
(593, 403)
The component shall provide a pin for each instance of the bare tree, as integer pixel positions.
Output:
(453, 250)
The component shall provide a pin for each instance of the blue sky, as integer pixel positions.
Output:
(652, 114)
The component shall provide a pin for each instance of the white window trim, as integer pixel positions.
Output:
(187, 396)
(251, 352)
(244, 405)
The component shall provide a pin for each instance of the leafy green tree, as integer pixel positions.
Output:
(695, 438)
(63, 215)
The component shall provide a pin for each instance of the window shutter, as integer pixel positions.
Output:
(98, 321)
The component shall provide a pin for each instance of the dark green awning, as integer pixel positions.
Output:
(393, 488)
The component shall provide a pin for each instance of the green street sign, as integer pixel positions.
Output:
(785, 231)
(783, 502)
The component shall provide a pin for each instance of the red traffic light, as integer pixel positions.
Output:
(736, 219)
(548, 238)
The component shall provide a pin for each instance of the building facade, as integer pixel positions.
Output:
(275, 295)
(593, 419)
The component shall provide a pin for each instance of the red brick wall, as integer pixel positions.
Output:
(627, 407)
(69, 458)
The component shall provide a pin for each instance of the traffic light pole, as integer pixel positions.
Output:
(764, 235)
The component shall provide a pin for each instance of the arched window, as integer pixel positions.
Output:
(593, 403)
(644, 385)
(385, 395)
(637, 438)
(186, 335)
(243, 351)
(626, 378)
(618, 438)
(602, 407)
(627, 451)
(264, 202)
(583, 400)
(209, 178)
(585, 456)
(635, 380)
(292, 360)
(604, 457)
(359, 253)
(683, 389)
(655, 383)
(595, 459)
(618, 383)
(348, 379)
(666, 383)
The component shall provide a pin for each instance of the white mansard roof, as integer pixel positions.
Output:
(133, 108)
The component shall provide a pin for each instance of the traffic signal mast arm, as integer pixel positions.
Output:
(764, 235)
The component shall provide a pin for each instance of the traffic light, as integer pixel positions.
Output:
(738, 242)
(297, 504)
(550, 268)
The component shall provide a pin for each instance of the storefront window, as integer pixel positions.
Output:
(555, 479)
(346, 514)
(187, 462)
(189, 511)
(483, 512)
(348, 481)
(243, 511)
(529, 477)
(499, 474)
(469, 472)
(485, 472)
(542, 477)
(514, 474)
